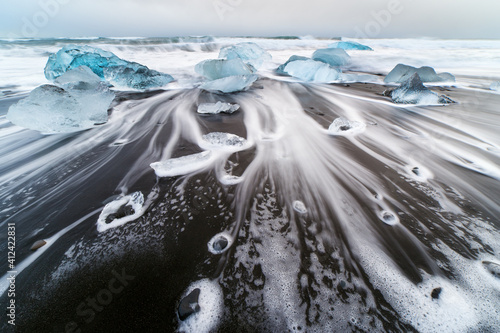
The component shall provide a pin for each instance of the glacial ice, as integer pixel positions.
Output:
(495, 86)
(182, 165)
(220, 140)
(99, 61)
(215, 108)
(137, 77)
(312, 71)
(214, 69)
(412, 91)
(281, 68)
(402, 73)
(76, 76)
(230, 84)
(51, 109)
(341, 126)
(122, 210)
(251, 54)
(332, 57)
(349, 46)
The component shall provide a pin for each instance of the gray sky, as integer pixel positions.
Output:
(356, 18)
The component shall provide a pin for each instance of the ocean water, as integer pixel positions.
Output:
(284, 225)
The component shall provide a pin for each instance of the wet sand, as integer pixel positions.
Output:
(75, 286)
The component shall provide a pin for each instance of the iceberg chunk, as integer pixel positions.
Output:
(230, 84)
(122, 210)
(312, 71)
(402, 73)
(137, 77)
(182, 165)
(215, 108)
(332, 57)
(281, 68)
(214, 69)
(220, 140)
(413, 91)
(495, 86)
(251, 54)
(75, 76)
(73, 56)
(51, 109)
(349, 46)
(341, 126)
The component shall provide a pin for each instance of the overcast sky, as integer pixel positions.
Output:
(357, 18)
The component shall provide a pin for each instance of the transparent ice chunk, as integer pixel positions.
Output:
(215, 108)
(350, 46)
(230, 84)
(312, 71)
(402, 73)
(51, 109)
(251, 54)
(214, 69)
(412, 91)
(332, 57)
(182, 165)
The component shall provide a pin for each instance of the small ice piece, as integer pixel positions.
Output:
(281, 68)
(218, 140)
(136, 77)
(402, 73)
(210, 303)
(342, 126)
(388, 217)
(495, 86)
(312, 71)
(51, 109)
(332, 57)
(412, 91)
(251, 54)
(182, 165)
(214, 69)
(101, 61)
(120, 211)
(230, 84)
(220, 243)
(215, 108)
(299, 207)
(349, 46)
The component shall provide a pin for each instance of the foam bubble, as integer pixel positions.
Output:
(341, 126)
(299, 207)
(220, 243)
(120, 211)
(388, 217)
